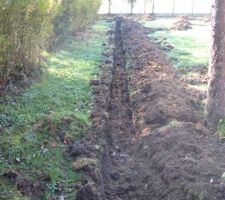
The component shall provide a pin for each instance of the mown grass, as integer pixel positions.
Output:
(37, 125)
(191, 47)
(160, 23)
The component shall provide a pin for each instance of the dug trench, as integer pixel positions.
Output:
(148, 130)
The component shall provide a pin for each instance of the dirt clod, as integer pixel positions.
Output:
(115, 176)
(12, 175)
(88, 192)
(95, 82)
(182, 24)
(84, 163)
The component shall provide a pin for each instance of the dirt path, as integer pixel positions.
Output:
(148, 129)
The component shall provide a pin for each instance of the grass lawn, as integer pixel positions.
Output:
(191, 46)
(37, 125)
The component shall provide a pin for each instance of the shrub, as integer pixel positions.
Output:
(74, 16)
(26, 27)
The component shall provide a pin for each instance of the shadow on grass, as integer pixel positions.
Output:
(37, 126)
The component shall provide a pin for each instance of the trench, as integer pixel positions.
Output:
(119, 108)
(162, 160)
(119, 126)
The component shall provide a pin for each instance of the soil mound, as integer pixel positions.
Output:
(148, 130)
(177, 156)
(182, 24)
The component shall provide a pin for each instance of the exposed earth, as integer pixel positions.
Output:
(148, 129)
(182, 24)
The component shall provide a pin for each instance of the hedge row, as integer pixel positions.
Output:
(28, 27)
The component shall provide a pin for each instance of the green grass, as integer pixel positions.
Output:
(221, 128)
(160, 23)
(201, 87)
(191, 46)
(37, 125)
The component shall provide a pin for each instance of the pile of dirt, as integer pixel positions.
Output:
(196, 78)
(155, 81)
(26, 185)
(174, 156)
(148, 17)
(149, 131)
(194, 75)
(182, 24)
(207, 19)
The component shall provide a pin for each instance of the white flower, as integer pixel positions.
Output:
(211, 180)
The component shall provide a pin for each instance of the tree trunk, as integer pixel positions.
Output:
(145, 4)
(174, 1)
(153, 6)
(109, 12)
(193, 6)
(131, 7)
(216, 91)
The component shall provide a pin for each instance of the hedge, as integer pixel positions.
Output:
(28, 27)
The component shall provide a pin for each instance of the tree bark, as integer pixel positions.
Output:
(193, 7)
(174, 2)
(216, 91)
(109, 11)
(145, 4)
(153, 6)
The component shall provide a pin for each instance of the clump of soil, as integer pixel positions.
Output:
(195, 75)
(182, 24)
(175, 156)
(153, 77)
(149, 17)
(196, 78)
(207, 19)
(27, 186)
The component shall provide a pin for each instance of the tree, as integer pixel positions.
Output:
(216, 91)
(153, 6)
(109, 6)
(145, 4)
(174, 2)
(131, 2)
(193, 6)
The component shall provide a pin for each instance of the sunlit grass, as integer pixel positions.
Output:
(201, 87)
(191, 47)
(37, 125)
(221, 128)
(160, 23)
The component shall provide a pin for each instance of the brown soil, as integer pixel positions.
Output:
(182, 24)
(28, 187)
(148, 130)
(195, 75)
